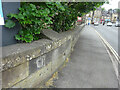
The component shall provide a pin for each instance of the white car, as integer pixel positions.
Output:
(109, 24)
(117, 24)
(96, 24)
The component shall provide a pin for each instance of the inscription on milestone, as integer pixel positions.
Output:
(36, 64)
(40, 62)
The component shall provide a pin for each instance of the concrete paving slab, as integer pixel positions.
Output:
(89, 65)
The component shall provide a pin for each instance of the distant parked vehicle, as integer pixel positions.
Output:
(101, 21)
(109, 24)
(96, 24)
(117, 24)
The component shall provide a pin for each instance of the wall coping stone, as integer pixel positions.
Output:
(17, 54)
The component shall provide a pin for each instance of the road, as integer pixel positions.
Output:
(110, 34)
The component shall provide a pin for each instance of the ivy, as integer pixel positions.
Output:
(35, 16)
(9, 23)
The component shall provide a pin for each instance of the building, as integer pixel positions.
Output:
(110, 14)
(115, 15)
(97, 15)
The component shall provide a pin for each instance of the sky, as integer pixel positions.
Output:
(113, 4)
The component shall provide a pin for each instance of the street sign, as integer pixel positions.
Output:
(1, 14)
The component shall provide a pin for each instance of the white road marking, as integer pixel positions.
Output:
(110, 50)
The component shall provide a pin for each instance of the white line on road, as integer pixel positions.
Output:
(110, 50)
(109, 46)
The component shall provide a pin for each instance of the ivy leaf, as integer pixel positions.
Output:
(33, 6)
(21, 32)
(47, 10)
(48, 18)
(21, 9)
(36, 37)
(37, 21)
(20, 16)
(26, 13)
(28, 38)
(9, 23)
(49, 3)
(49, 28)
(49, 22)
(37, 31)
(12, 16)
(17, 37)
(59, 6)
(33, 13)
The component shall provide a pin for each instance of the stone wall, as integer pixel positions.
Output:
(27, 65)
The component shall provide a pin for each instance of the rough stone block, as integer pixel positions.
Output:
(63, 47)
(58, 62)
(53, 35)
(36, 78)
(14, 75)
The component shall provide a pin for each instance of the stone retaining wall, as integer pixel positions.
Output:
(28, 65)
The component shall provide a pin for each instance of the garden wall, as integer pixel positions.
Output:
(27, 65)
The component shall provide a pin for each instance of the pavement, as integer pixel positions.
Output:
(89, 65)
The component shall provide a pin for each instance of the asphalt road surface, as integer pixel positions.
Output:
(109, 33)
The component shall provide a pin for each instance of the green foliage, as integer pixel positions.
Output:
(10, 24)
(33, 18)
(66, 19)
(59, 16)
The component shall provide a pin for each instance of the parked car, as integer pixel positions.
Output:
(101, 21)
(117, 24)
(96, 24)
(109, 24)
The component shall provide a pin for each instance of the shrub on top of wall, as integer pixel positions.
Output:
(33, 17)
(59, 16)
